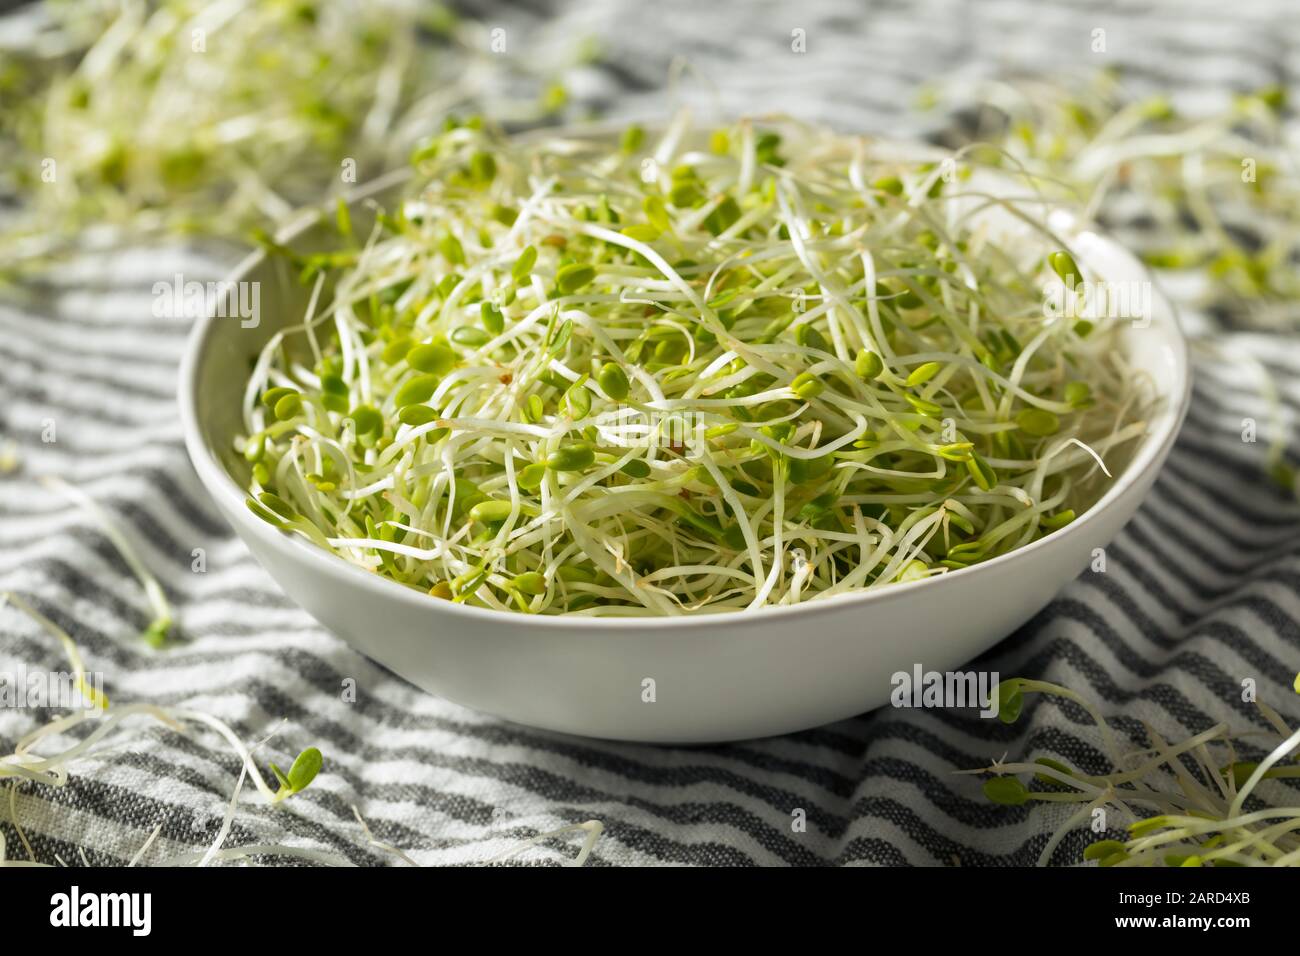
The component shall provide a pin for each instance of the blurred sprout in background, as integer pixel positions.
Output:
(1210, 190)
(183, 117)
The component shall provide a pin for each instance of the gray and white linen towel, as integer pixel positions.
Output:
(1201, 590)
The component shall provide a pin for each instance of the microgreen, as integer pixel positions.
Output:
(179, 118)
(159, 628)
(755, 380)
(27, 763)
(146, 142)
(1181, 804)
(300, 775)
(95, 698)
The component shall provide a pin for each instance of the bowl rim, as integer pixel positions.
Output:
(1154, 447)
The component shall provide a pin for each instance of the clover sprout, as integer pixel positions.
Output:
(1186, 801)
(159, 628)
(670, 368)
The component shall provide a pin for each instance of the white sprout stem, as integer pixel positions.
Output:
(592, 829)
(152, 589)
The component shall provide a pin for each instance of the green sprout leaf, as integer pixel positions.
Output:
(300, 775)
(1006, 791)
(1011, 700)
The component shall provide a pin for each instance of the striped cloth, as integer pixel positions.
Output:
(1200, 592)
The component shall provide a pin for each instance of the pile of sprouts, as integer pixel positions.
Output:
(710, 372)
(1191, 803)
(176, 117)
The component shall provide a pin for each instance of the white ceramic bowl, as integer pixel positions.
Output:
(716, 678)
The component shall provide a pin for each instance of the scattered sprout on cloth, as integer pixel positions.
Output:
(94, 732)
(111, 728)
(109, 725)
(160, 626)
(1191, 803)
(90, 695)
(705, 372)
